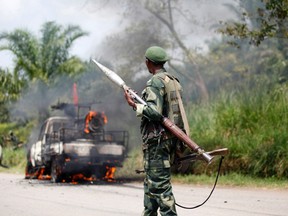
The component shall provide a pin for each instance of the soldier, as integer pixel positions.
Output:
(13, 138)
(159, 145)
(1, 153)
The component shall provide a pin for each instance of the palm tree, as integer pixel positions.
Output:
(46, 57)
(39, 62)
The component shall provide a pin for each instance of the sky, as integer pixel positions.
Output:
(31, 14)
(99, 23)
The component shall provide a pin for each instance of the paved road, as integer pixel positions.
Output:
(39, 197)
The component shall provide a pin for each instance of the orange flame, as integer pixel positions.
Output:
(110, 173)
(90, 116)
(41, 175)
(80, 176)
(109, 176)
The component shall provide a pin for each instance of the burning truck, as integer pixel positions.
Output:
(69, 147)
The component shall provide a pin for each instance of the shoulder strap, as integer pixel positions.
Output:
(166, 78)
(182, 110)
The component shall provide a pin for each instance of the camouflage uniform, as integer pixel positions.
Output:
(158, 149)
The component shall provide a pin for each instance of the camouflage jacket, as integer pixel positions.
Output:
(156, 97)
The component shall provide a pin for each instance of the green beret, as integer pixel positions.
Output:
(156, 54)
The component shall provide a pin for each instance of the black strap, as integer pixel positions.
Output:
(216, 180)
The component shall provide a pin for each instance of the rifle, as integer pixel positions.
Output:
(167, 123)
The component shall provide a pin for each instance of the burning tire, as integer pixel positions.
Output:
(56, 171)
(30, 171)
(100, 172)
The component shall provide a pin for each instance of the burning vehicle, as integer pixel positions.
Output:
(69, 148)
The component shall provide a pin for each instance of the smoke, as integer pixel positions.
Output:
(37, 99)
(194, 21)
(93, 87)
(94, 91)
(109, 98)
(35, 102)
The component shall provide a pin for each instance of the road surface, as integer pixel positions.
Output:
(40, 197)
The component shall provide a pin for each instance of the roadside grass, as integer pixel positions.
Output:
(252, 124)
(134, 161)
(14, 159)
(231, 180)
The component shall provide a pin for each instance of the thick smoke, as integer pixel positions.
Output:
(94, 92)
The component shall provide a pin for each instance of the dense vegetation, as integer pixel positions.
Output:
(235, 97)
(252, 125)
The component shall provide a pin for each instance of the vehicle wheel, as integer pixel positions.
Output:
(56, 171)
(100, 172)
(30, 172)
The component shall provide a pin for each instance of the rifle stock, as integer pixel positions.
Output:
(168, 124)
(194, 156)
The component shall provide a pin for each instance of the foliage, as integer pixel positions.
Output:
(10, 88)
(232, 179)
(252, 125)
(21, 131)
(261, 19)
(46, 57)
(230, 68)
(14, 152)
(14, 158)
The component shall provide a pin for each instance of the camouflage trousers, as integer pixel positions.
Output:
(157, 186)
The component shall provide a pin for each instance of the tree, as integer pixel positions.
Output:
(40, 62)
(165, 13)
(159, 22)
(261, 19)
(46, 57)
(10, 88)
(265, 23)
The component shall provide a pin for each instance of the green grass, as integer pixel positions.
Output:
(253, 124)
(231, 180)
(134, 161)
(14, 159)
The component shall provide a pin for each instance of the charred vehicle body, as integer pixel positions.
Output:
(69, 146)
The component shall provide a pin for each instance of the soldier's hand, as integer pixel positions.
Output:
(129, 99)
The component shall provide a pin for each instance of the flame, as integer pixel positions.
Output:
(110, 173)
(93, 114)
(77, 177)
(41, 175)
